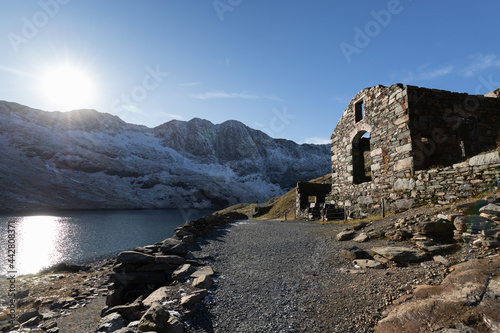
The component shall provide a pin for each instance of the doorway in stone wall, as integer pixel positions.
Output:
(361, 158)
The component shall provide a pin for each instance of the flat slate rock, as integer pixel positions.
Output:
(159, 295)
(490, 208)
(133, 257)
(361, 238)
(345, 235)
(400, 253)
(354, 252)
(368, 263)
(205, 270)
(430, 308)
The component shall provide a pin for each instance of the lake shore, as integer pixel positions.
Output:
(58, 293)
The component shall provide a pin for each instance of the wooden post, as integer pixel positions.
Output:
(383, 207)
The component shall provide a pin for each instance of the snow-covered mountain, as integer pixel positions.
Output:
(89, 160)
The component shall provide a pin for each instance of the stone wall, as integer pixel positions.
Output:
(448, 127)
(461, 180)
(304, 190)
(385, 117)
(401, 146)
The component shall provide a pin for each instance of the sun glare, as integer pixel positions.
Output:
(67, 87)
(38, 243)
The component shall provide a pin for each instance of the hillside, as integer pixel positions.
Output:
(85, 159)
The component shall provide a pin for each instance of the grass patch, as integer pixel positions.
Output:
(244, 208)
(371, 218)
(283, 208)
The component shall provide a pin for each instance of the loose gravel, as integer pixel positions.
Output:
(288, 277)
(266, 271)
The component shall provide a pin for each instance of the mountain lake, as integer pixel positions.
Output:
(42, 240)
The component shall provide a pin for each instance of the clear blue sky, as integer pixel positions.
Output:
(288, 68)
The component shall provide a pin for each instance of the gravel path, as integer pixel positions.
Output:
(268, 281)
(84, 319)
(289, 277)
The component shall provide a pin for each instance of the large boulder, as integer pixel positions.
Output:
(194, 297)
(169, 259)
(205, 270)
(401, 254)
(439, 227)
(345, 235)
(399, 235)
(128, 311)
(202, 282)
(361, 238)
(155, 319)
(490, 208)
(110, 323)
(160, 295)
(476, 224)
(183, 272)
(460, 223)
(354, 252)
(175, 325)
(28, 315)
(174, 246)
(466, 298)
(182, 233)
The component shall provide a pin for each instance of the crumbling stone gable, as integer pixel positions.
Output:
(387, 134)
(386, 122)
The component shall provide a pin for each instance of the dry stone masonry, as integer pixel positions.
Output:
(401, 146)
(156, 287)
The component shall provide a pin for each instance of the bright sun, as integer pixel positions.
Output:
(67, 87)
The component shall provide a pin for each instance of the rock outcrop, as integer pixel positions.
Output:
(468, 298)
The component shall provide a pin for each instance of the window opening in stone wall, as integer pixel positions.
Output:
(425, 149)
(359, 111)
(361, 158)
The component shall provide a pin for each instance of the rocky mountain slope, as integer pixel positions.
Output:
(84, 159)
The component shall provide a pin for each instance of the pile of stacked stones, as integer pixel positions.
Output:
(476, 224)
(156, 287)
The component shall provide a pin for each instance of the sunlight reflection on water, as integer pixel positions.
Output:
(42, 241)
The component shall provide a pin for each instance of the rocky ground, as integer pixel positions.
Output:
(66, 298)
(427, 269)
(291, 276)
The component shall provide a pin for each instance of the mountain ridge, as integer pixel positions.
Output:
(85, 159)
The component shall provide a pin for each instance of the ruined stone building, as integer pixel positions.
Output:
(400, 146)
